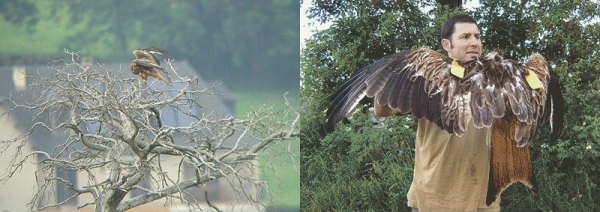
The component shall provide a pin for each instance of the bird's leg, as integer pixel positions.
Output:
(140, 83)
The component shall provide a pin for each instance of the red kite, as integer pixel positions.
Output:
(146, 63)
(489, 91)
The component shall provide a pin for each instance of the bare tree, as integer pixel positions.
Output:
(115, 136)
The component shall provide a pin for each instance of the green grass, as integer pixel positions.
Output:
(248, 100)
(285, 183)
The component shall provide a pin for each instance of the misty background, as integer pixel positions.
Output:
(244, 44)
(251, 47)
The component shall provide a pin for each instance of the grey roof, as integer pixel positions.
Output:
(220, 105)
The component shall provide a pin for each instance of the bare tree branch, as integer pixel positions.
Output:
(109, 128)
(136, 201)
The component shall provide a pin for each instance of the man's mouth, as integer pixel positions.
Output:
(474, 54)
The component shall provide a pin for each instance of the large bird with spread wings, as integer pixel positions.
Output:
(146, 63)
(488, 91)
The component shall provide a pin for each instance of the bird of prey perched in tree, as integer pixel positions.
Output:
(490, 91)
(146, 63)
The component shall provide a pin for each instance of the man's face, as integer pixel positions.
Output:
(465, 44)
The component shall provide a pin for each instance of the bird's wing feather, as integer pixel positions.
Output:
(494, 92)
(355, 88)
(508, 162)
(397, 81)
(155, 50)
(147, 63)
(555, 108)
(420, 82)
(534, 100)
(149, 53)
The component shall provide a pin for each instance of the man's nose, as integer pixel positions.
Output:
(474, 42)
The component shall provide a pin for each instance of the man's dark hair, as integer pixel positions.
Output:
(449, 25)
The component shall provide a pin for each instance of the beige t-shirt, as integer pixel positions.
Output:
(451, 173)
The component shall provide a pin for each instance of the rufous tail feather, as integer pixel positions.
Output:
(508, 163)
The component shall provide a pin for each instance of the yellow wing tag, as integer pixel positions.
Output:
(457, 70)
(533, 80)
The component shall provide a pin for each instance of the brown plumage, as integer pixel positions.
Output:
(493, 91)
(146, 63)
(508, 163)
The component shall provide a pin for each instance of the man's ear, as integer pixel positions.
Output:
(446, 44)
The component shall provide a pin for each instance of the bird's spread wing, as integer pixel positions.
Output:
(425, 84)
(488, 90)
(398, 81)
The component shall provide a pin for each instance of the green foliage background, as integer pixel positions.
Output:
(360, 168)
